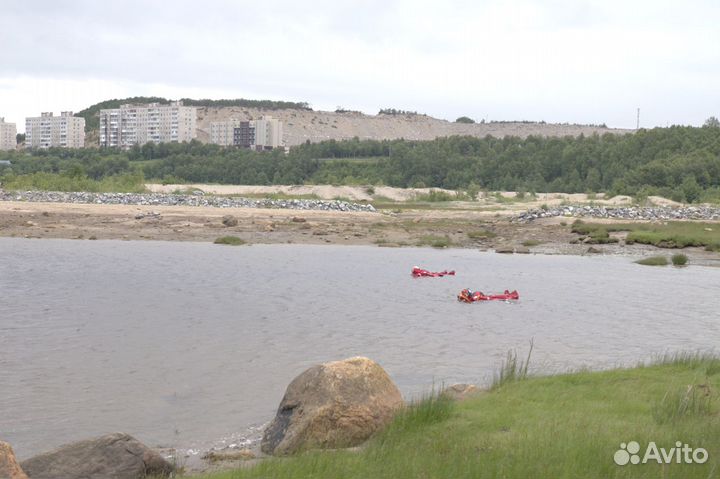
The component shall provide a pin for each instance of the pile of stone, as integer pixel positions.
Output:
(157, 199)
(657, 213)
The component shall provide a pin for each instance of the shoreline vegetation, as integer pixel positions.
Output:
(563, 425)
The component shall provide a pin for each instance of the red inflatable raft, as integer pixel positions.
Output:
(468, 296)
(420, 273)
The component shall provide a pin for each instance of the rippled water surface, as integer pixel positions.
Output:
(183, 344)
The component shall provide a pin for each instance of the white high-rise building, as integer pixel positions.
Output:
(8, 135)
(268, 133)
(265, 133)
(46, 131)
(222, 132)
(154, 123)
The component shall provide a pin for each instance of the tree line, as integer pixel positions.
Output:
(92, 120)
(682, 163)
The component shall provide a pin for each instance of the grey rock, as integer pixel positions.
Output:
(156, 199)
(116, 455)
(229, 220)
(703, 212)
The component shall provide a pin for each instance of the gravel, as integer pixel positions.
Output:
(156, 199)
(662, 213)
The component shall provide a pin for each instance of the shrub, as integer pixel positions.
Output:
(653, 261)
(230, 240)
(679, 259)
(435, 196)
(464, 119)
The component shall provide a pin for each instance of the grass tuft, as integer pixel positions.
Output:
(433, 408)
(682, 402)
(653, 261)
(512, 369)
(707, 361)
(230, 240)
(679, 259)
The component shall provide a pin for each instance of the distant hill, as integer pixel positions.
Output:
(92, 120)
(302, 124)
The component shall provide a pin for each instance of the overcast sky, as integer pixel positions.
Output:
(571, 61)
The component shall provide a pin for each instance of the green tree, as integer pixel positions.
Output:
(712, 122)
(691, 189)
(464, 119)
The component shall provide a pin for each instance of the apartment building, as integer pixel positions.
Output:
(8, 135)
(244, 135)
(46, 131)
(263, 134)
(222, 132)
(268, 133)
(153, 123)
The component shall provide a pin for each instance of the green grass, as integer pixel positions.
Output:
(679, 259)
(564, 426)
(125, 183)
(653, 261)
(230, 240)
(512, 369)
(673, 234)
(435, 241)
(597, 234)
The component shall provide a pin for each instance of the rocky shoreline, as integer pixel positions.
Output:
(199, 199)
(649, 213)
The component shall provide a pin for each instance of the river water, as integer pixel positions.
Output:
(191, 345)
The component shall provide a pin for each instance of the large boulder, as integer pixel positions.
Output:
(116, 455)
(333, 405)
(9, 468)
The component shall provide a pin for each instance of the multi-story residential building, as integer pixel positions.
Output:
(222, 132)
(244, 134)
(46, 130)
(263, 134)
(8, 135)
(154, 123)
(268, 133)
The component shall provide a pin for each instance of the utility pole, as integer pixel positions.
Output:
(637, 127)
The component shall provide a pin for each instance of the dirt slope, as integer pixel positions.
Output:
(300, 126)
